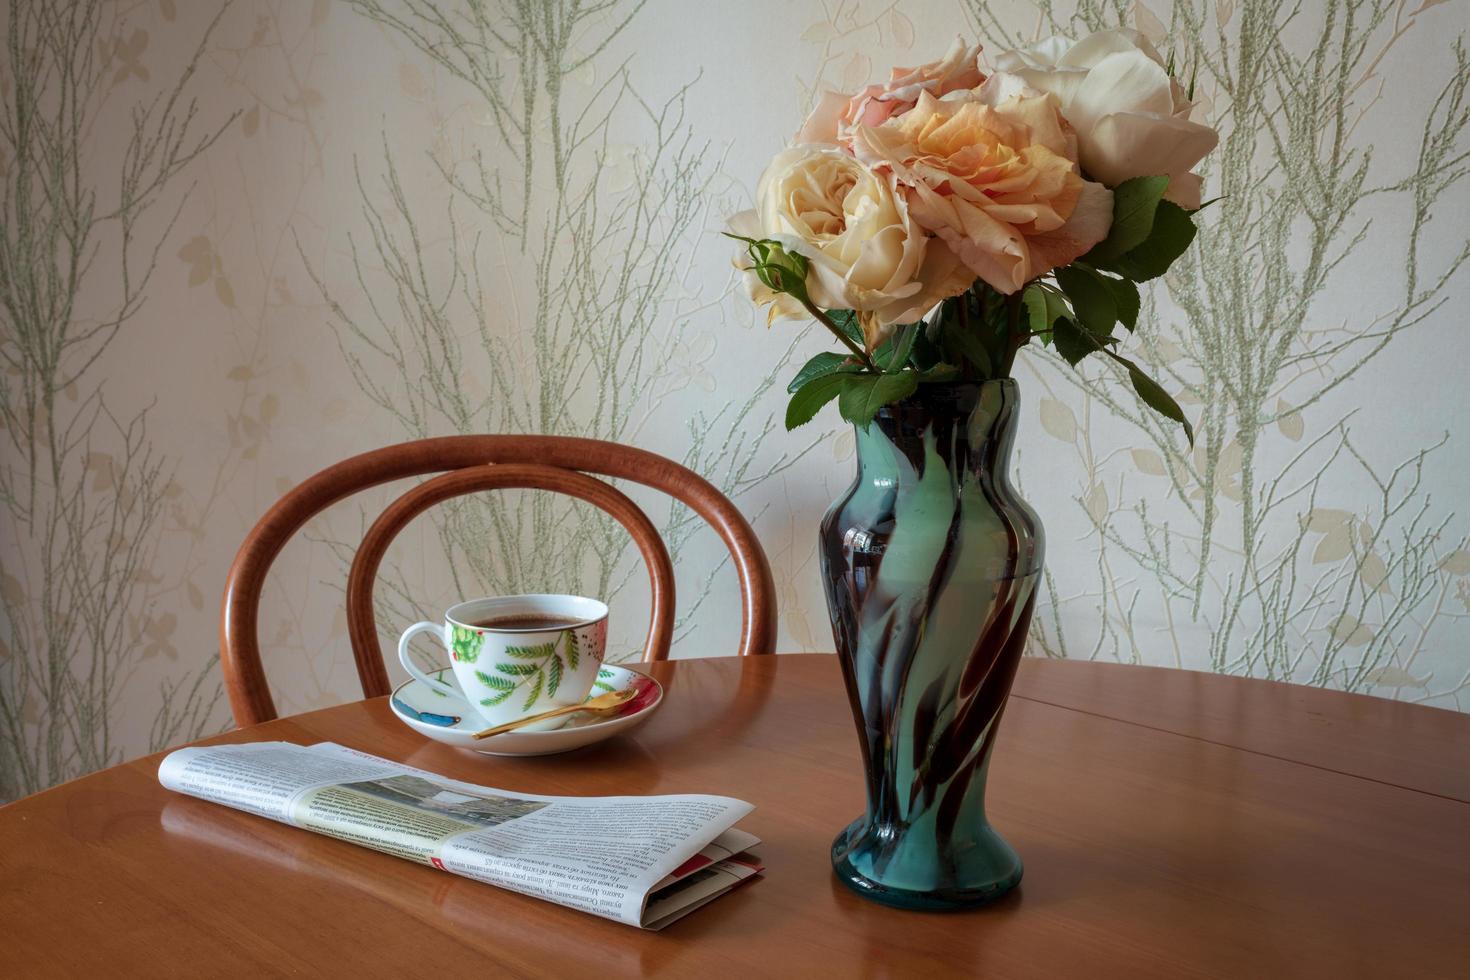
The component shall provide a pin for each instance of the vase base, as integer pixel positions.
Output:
(1005, 874)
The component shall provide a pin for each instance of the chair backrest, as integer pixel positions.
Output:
(468, 464)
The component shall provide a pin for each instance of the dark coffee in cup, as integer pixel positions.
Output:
(524, 621)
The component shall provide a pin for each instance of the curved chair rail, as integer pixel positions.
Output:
(249, 694)
(362, 624)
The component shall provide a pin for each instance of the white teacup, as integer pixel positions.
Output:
(515, 656)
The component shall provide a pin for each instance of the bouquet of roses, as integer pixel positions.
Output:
(941, 221)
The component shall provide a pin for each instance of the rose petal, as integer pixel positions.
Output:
(943, 275)
(1060, 82)
(1185, 190)
(1126, 144)
(744, 223)
(1045, 53)
(1092, 49)
(958, 71)
(959, 68)
(1123, 82)
(991, 249)
(1088, 225)
(874, 331)
(1020, 103)
(821, 124)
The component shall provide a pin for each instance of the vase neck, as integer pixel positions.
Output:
(970, 427)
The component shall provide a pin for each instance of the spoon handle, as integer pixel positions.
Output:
(592, 705)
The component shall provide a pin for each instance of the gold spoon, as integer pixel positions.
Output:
(600, 704)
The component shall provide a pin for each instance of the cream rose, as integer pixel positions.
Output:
(835, 115)
(1131, 117)
(994, 174)
(865, 252)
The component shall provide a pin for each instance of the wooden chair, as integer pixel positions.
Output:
(469, 464)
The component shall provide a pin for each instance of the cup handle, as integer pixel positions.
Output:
(406, 658)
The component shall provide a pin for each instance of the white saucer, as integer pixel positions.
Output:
(438, 717)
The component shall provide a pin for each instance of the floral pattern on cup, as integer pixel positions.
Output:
(465, 643)
(538, 667)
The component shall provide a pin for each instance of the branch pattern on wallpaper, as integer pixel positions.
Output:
(80, 526)
(540, 293)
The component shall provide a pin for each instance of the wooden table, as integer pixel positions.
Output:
(1173, 824)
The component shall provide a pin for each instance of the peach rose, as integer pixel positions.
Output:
(994, 174)
(835, 115)
(864, 250)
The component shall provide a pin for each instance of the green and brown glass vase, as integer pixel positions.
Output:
(930, 562)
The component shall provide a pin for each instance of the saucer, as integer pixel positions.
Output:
(436, 716)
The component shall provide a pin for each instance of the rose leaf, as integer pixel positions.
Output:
(1072, 342)
(1172, 233)
(810, 397)
(1091, 298)
(901, 346)
(825, 363)
(863, 394)
(1135, 202)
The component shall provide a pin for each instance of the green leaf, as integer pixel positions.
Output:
(847, 322)
(574, 649)
(864, 394)
(538, 652)
(553, 676)
(1135, 202)
(827, 362)
(517, 670)
(1092, 300)
(535, 693)
(1171, 236)
(1034, 299)
(1125, 299)
(495, 699)
(811, 396)
(1072, 342)
(1154, 395)
(902, 344)
(1044, 306)
(939, 372)
(499, 683)
(964, 344)
(927, 352)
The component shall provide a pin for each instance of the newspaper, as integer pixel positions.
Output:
(642, 860)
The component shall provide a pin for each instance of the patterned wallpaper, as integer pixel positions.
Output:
(243, 240)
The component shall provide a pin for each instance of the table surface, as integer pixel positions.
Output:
(1173, 824)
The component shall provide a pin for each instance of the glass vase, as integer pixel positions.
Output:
(930, 562)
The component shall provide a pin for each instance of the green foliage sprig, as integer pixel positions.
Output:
(976, 336)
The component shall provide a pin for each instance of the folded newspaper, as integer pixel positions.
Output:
(643, 860)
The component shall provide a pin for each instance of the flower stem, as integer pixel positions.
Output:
(967, 368)
(838, 332)
(1016, 338)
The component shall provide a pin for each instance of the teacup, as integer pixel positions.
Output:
(515, 656)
